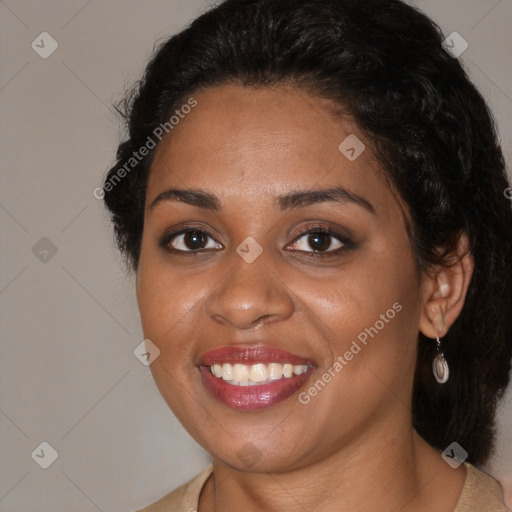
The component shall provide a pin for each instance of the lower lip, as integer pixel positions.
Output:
(251, 398)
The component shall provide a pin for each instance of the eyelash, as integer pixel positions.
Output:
(346, 242)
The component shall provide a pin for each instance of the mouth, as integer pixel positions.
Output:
(251, 378)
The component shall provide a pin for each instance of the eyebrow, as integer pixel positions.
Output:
(302, 198)
(194, 197)
(291, 200)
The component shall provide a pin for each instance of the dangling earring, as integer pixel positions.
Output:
(439, 365)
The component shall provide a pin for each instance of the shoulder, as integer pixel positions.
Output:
(480, 492)
(182, 499)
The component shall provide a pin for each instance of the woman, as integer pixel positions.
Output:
(313, 199)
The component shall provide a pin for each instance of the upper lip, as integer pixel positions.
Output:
(250, 354)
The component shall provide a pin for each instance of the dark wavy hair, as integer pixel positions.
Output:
(382, 63)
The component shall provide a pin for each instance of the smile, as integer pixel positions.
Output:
(252, 375)
(251, 378)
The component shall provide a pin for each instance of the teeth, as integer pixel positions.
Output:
(299, 369)
(227, 372)
(240, 372)
(217, 370)
(275, 371)
(252, 375)
(287, 370)
(258, 373)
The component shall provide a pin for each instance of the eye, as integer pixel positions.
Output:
(190, 240)
(318, 240)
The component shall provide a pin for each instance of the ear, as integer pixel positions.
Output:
(444, 291)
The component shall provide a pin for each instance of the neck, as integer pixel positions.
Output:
(393, 471)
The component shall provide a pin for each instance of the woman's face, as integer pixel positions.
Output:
(261, 271)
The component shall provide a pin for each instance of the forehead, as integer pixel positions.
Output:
(242, 140)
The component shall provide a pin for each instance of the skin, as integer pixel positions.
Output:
(352, 448)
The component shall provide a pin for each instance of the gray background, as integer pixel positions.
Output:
(69, 320)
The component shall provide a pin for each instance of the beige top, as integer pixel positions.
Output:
(480, 493)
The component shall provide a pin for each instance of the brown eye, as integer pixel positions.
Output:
(318, 241)
(194, 240)
(190, 240)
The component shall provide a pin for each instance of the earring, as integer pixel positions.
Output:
(439, 365)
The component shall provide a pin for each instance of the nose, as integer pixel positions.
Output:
(249, 295)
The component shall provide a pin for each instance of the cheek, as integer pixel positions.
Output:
(369, 312)
(352, 299)
(168, 308)
(161, 301)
